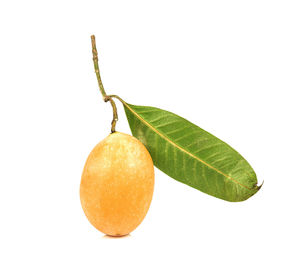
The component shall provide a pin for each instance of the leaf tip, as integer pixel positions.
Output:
(258, 187)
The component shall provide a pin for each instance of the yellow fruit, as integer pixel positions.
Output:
(117, 184)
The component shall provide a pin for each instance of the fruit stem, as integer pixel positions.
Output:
(106, 97)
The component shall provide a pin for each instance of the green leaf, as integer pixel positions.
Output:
(191, 155)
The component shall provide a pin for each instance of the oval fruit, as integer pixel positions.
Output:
(117, 184)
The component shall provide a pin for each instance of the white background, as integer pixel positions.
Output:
(231, 67)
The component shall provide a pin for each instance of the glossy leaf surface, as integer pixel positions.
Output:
(191, 155)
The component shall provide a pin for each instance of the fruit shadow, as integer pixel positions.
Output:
(109, 237)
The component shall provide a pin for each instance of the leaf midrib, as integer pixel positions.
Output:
(182, 149)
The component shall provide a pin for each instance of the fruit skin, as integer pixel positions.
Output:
(117, 184)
